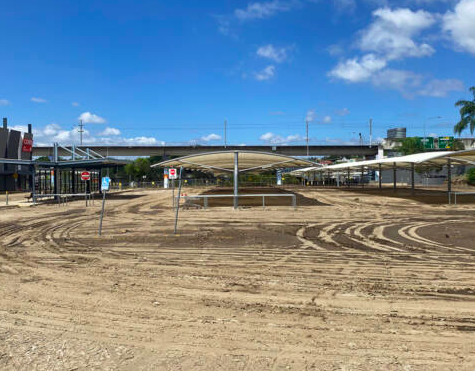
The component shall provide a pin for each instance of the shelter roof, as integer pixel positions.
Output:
(418, 159)
(223, 161)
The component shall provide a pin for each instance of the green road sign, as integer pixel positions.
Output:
(428, 142)
(446, 142)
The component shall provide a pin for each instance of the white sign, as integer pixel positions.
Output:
(105, 183)
(172, 174)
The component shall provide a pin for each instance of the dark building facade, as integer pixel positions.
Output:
(14, 145)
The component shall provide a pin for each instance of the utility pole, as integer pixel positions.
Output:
(370, 132)
(225, 137)
(306, 123)
(81, 130)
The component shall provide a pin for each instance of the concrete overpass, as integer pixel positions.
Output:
(168, 151)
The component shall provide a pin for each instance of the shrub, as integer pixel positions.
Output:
(471, 176)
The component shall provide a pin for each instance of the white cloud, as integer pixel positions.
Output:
(38, 100)
(109, 131)
(210, 137)
(55, 133)
(276, 54)
(90, 118)
(278, 139)
(4, 102)
(460, 25)
(51, 129)
(265, 74)
(343, 112)
(358, 69)
(391, 37)
(410, 84)
(75, 104)
(260, 10)
(391, 34)
(345, 5)
(440, 88)
(311, 115)
(327, 119)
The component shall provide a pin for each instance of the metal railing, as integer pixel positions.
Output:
(206, 197)
(455, 196)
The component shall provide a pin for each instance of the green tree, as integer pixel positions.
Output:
(471, 176)
(467, 114)
(138, 169)
(410, 146)
(142, 167)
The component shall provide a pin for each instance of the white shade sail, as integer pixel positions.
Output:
(224, 161)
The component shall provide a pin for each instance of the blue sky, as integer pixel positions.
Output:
(152, 72)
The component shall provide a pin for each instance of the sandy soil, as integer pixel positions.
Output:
(350, 281)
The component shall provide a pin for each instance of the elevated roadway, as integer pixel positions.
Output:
(169, 151)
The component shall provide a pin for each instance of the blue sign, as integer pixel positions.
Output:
(105, 183)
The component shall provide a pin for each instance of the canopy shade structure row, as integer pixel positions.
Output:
(428, 159)
(235, 162)
(418, 159)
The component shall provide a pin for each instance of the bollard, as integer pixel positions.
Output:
(6, 194)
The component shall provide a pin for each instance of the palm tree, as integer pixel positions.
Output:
(467, 114)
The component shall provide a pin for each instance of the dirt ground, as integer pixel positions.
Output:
(353, 280)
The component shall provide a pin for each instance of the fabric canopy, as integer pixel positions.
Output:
(224, 161)
(418, 159)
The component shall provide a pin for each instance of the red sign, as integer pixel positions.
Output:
(85, 175)
(172, 173)
(26, 145)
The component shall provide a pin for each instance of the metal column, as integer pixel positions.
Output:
(236, 179)
(362, 176)
(380, 177)
(412, 177)
(348, 177)
(394, 176)
(449, 175)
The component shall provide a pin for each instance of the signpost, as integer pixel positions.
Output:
(85, 175)
(172, 174)
(27, 144)
(105, 185)
(446, 142)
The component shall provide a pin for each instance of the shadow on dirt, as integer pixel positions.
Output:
(255, 201)
(426, 196)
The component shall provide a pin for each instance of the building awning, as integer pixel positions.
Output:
(95, 163)
(223, 161)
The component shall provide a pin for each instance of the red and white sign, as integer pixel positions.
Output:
(85, 175)
(27, 145)
(172, 173)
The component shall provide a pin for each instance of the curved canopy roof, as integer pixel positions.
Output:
(418, 159)
(223, 161)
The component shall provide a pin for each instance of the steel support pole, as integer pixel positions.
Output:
(412, 178)
(348, 176)
(449, 175)
(178, 202)
(394, 177)
(380, 177)
(362, 176)
(236, 179)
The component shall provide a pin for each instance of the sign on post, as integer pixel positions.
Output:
(105, 183)
(26, 145)
(446, 142)
(85, 175)
(172, 174)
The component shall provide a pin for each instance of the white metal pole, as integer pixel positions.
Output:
(236, 179)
